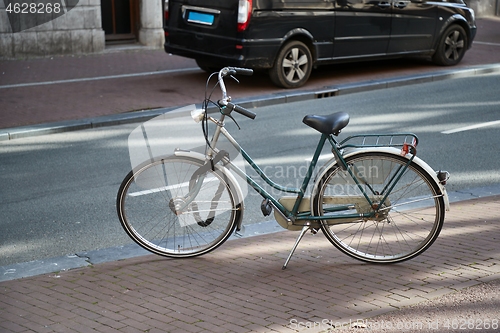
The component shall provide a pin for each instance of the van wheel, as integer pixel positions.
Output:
(451, 47)
(207, 67)
(292, 66)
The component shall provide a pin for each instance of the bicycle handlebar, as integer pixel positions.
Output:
(225, 101)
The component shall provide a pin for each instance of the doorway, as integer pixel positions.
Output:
(120, 20)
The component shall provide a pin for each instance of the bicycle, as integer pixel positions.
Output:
(374, 200)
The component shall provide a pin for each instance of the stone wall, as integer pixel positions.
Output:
(77, 31)
(151, 30)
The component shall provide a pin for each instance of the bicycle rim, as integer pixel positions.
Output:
(406, 223)
(147, 202)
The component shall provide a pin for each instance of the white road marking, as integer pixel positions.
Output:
(468, 128)
(486, 43)
(120, 76)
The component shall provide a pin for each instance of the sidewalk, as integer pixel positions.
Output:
(240, 287)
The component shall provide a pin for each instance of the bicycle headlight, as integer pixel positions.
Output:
(197, 115)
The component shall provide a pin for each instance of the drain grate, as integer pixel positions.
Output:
(326, 93)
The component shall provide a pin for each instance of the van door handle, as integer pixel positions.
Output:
(384, 4)
(401, 4)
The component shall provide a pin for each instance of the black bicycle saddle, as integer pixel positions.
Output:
(331, 124)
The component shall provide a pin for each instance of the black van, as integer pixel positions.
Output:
(290, 37)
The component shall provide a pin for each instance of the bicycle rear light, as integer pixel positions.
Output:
(409, 148)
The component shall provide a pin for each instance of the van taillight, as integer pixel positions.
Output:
(165, 10)
(244, 12)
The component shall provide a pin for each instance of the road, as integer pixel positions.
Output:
(58, 191)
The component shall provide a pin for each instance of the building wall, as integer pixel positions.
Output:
(79, 31)
(151, 30)
(484, 8)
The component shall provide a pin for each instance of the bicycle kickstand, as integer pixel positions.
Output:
(302, 233)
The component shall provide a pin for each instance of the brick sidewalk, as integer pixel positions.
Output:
(240, 287)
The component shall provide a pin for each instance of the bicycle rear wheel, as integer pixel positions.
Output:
(403, 226)
(155, 210)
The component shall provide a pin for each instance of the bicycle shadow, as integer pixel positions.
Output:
(243, 277)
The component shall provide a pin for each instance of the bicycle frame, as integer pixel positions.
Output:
(292, 216)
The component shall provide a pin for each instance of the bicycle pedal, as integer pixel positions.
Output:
(266, 207)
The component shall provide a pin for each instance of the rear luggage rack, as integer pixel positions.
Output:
(396, 140)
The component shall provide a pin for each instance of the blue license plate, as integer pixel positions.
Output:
(201, 18)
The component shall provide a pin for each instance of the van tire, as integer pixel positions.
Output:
(293, 65)
(452, 46)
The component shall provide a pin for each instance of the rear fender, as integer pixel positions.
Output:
(302, 35)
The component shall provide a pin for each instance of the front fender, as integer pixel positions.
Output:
(468, 25)
(233, 182)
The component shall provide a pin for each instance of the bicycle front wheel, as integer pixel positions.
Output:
(167, 211)
(403, 226)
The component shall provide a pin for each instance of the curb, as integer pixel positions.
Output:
(116, 253)
(264, 100)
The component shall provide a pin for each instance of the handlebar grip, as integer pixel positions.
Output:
(241, 110)
(243, 71)
(235, 70)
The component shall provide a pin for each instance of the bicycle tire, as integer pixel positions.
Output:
(408, 221)
(146, 206)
